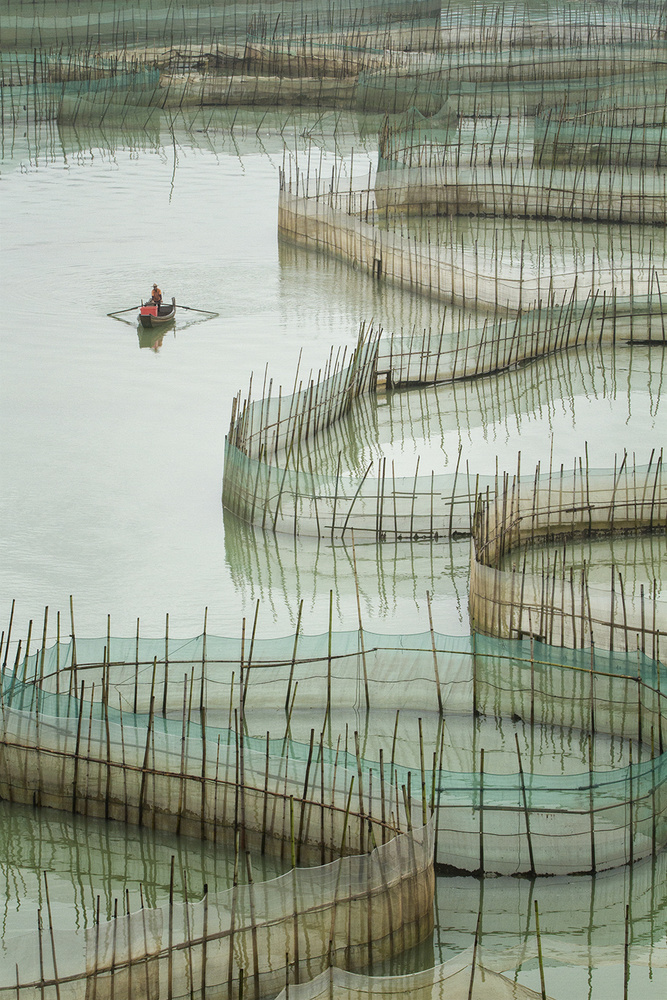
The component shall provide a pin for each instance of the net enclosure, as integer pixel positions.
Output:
(555, 114)
(270, 479)
(557, 604)
(317, 800)
(78, 753)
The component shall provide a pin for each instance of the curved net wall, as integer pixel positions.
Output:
(243, 942)
(356, 221)
(81, 754)
(270, 481)
(87, 726)
(601, 133)
(456, 980)
(120, 23)
(559, 605)
(371, 56)
(322, 799)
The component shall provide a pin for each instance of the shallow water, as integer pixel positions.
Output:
(553, 410)
(112, 455)
(582, 928)
(639, 559)
(545, 749)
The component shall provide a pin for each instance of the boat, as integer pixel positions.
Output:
(152, 315)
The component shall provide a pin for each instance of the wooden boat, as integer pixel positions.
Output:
(152, 315)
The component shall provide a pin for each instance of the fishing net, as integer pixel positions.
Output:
(601, 133)
(557, 604)
(148, 768)
(118, 98)
(452, 981)
(80, 754)
(246, 941)
(269, 476)
(356, 221)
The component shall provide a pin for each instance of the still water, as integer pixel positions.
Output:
(111, 453)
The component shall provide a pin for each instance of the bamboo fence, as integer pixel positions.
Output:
(559, 605)
(155, 760)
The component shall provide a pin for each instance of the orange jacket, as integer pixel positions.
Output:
(157, 295)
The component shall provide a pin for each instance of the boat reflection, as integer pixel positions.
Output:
(150, 338)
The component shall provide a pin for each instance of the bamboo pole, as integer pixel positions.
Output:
(525, 808)
(361, 628)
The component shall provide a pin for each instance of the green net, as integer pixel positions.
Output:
(508, 598)
(501, 822)
(269, 478)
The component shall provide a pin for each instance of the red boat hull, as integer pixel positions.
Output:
(152, 315)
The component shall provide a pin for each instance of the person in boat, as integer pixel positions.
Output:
(156, 296)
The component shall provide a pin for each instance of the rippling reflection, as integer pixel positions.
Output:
(549, 410)
(86, 859)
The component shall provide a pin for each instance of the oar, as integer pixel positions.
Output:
(192, 309)
(119, 311)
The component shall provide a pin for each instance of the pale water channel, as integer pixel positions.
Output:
(111, 458)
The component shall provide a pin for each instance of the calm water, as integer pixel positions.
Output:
(551, 410)
(111, 454)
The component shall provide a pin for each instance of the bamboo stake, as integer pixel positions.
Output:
(291, 674)
(474, 955)
(525, 808)
(435, 655)
(361, 628)
(539, 952)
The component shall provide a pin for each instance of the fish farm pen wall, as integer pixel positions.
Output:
(521, 122)
(563, 506)
(113, 750)
(331, 215)
(269, 479)
(189, 783)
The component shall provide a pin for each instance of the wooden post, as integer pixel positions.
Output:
(77, 746)
(43, 652)
(204, 941)
(328, 705)
(626, 952)
(203, 664)
(56, 978)
(435, 655)
(136, 669)
(423, 772)
(9, 636)
(539, 952)
(481, 812)
(591, 802)
(170, 938)
(304, 800)
(74, 678)
(253, 925)
(144, 770)
(291, 673)
(525, 807)
(361, 628)
(166, 666)
(474, 955)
